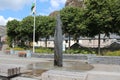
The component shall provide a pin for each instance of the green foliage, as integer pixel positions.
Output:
(46, 26)
(21, 32)
(72, 21)
(79, 51)
(26, 29)
(9, 41)
(8, 48)
(12, 31)
(18, 48)
(114, 9)
(43, 50)
(101, 17)
(12, 27)
(97, 17)
(114, 53)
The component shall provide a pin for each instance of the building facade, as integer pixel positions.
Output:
(84, 41)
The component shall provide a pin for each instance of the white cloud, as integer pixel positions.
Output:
(4, 21)
(9, 19)
(54, 3)
(13, 4)
(57, 3)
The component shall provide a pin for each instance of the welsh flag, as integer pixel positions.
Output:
(33, 8)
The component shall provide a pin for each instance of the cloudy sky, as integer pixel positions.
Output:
(18, 9)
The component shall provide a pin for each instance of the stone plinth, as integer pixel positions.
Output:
(9, 70)
(63, 75)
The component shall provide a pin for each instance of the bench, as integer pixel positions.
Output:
(22, 54)
(9, 71)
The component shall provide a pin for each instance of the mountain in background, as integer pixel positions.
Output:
(54, 14)
(2, 30)
(74, 3)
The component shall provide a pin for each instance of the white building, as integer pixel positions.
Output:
(84, 41)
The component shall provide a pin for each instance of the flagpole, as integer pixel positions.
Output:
(34, 36)
(34, 29)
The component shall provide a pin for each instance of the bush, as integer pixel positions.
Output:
(8, 48)
(114, 53)
(43, 50)
(77, 51)
(18, 48)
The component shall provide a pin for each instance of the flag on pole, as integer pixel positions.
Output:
(33, 8)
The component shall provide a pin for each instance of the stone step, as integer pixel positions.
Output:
(63, 75)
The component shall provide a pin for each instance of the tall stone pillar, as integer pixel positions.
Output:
(58, 42)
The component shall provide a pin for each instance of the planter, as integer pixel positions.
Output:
(12, 51)
(28, 53)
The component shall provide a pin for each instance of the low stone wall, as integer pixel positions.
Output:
(90, 58)
(104, 60)
(65, 56)
(26, 53)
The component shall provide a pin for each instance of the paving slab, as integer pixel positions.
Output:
(101, 75)
(23, 78)
(106, 68)
(99, 72)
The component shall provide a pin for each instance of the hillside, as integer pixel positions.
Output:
(2, 30)
(74, 3)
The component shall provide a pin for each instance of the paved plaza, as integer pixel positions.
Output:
(99, 72)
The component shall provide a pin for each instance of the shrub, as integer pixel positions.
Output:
(8, 48)
(114, 53)
(18, 48)
(43, 50)
(77, 51)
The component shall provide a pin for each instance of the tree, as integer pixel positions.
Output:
(12, 31)
(46, 26)
(99, 18)
(72, 22)
(26, 29)
(22, 31)
(114, 10)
